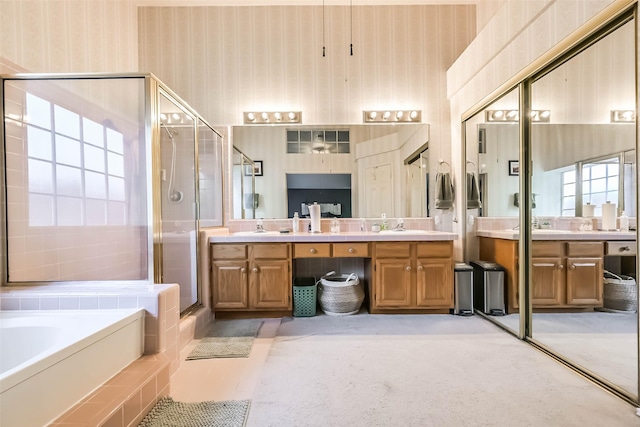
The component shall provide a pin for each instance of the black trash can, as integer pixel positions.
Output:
(488, 287)
(463, 289)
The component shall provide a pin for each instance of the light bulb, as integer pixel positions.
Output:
(373, 115)
(251, 117)
(386, 115)
(399, 115)
(292, 116)
(265, 117)
(414, 115)
(278, 117)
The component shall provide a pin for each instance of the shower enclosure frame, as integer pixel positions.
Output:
(154, 89)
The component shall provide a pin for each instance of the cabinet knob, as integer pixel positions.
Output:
(625, 249)
(351, 250)
(243, 270)
(254, 269)
(573, 267)
(312, 250)
(560, 266)
(420, 268)
(408, 268)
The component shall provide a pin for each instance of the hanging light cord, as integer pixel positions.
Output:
(351, 18)
(323, 52)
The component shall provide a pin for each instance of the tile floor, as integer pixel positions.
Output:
(222, 379)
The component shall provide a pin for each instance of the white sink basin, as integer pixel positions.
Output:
(256, 233)
(405, 231)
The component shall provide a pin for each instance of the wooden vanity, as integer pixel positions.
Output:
(251, 275)
(567, 268)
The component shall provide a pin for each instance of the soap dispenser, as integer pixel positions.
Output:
(624, 222)
(296, 222)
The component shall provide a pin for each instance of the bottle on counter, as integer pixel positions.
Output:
(624, 222)
(295, 223)
(384, 224)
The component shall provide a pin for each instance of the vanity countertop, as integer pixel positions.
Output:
(554, 234)
(350, 236)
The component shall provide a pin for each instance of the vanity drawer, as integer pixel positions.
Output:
(585, 249)
(621, 248)
(434, 250)
(274, 251)
(344, 250)
(547, 249)
(393, 250)
(312, 250)
(224, 251)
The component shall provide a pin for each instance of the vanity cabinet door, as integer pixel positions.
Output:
(393, 283)
(584, 281)
(229, 279)
(548, 281)
(270, 284)
(434, 283)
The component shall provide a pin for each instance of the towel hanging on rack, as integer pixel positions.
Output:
(473, 193)
(444, 191)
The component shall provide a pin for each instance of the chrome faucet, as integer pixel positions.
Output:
(400, 225)
(259, 226)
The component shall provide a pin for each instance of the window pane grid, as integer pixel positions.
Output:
(74, 177)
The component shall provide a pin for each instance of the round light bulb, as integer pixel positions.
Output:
(292, 116)
(265, 117)
(399, 115)
(414, 115)
(251, 117)
(386, 115)
(373, 115)
(278, 117)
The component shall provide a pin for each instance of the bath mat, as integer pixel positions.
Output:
(168, 413)
(227, 338)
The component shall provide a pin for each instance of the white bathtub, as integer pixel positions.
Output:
(50, 360)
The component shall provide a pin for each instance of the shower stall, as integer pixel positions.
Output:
(107, 177)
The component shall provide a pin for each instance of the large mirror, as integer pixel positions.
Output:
(581, 158)
(492, 167)
(351, 170)
(582, 161)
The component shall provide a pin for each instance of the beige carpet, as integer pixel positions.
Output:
(435, 370)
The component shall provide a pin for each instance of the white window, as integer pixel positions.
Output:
(74, 178)
(600, 183)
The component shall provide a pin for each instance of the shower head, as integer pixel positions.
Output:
(170, 132)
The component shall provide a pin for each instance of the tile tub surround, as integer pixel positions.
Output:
(130, 394)
(125, 399)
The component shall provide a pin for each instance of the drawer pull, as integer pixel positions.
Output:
(312, 250)
(625, 249)
(351, 250)
(408, 268)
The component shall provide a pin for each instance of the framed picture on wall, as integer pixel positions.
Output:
(514, 167)
(257, 168)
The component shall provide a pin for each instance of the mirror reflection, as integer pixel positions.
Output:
(492, 153)
(584, 167)
(584, 186)
(351, 170)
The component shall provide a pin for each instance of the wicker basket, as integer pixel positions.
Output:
(340, 295)
(620, 292)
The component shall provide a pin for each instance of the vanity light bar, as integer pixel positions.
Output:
(272, 117)
(392, 116)
(513, 115)
(623, 116)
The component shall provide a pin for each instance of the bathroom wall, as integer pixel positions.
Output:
(519, 33)
(56, 36)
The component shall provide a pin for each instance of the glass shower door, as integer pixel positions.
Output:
(179, 200)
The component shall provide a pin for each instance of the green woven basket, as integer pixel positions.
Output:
(304, 297)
